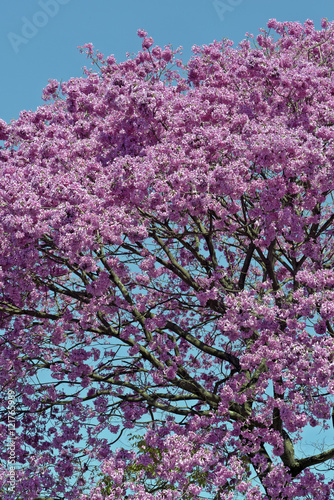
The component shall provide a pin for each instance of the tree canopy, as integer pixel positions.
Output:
(166, 253)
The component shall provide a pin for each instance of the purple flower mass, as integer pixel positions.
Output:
(166, 266)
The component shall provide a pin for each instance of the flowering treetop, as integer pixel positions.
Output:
(166, 259)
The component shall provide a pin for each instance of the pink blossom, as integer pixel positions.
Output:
(166, 275)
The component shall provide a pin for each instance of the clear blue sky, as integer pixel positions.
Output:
(39, 38)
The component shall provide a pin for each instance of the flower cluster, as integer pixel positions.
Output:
(166, 264)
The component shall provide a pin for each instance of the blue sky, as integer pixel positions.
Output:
(39, 38)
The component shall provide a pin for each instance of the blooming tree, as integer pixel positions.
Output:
(166, 260)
